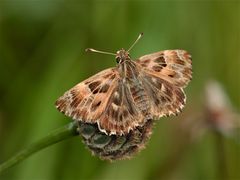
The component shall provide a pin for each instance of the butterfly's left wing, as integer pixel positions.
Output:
(164, 75)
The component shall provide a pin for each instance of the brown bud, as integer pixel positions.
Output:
(114, 147)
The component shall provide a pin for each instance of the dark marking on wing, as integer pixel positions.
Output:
(104, 88)
(95, 106)
(161, 60)
(92, 86)
(157, 68)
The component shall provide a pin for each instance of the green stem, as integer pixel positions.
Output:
(65, 132)
(221, 157)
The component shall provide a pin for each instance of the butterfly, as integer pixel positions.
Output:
(125, 97)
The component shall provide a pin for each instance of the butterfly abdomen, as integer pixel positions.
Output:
(140, 97)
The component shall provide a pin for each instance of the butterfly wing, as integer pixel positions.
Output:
(174, 66)
(165, 98)
(88, 100)
(163, 75)
(103, 99)
(122, 113)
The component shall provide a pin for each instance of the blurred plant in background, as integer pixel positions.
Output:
(42, 54)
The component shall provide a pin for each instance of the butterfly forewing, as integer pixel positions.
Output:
(88, 100)
(174, 66)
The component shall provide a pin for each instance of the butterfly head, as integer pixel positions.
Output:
(122, 55)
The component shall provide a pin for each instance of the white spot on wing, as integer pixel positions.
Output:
(116, 94)
(154, 80)
(115, 107)
(100, 129)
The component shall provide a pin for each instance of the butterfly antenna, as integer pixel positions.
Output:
(139, 37)
(96, 51)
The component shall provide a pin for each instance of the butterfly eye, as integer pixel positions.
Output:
(118, 59)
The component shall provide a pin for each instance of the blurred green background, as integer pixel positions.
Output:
(42, 55)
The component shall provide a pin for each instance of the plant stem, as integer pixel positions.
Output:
(221, 157)
(60, 134)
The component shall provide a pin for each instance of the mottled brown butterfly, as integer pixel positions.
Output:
(118, 101)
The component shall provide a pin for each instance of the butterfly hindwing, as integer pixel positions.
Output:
(166, 99)
(121, 114)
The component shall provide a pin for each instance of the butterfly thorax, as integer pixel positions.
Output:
(129, 72)
(126, 66)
